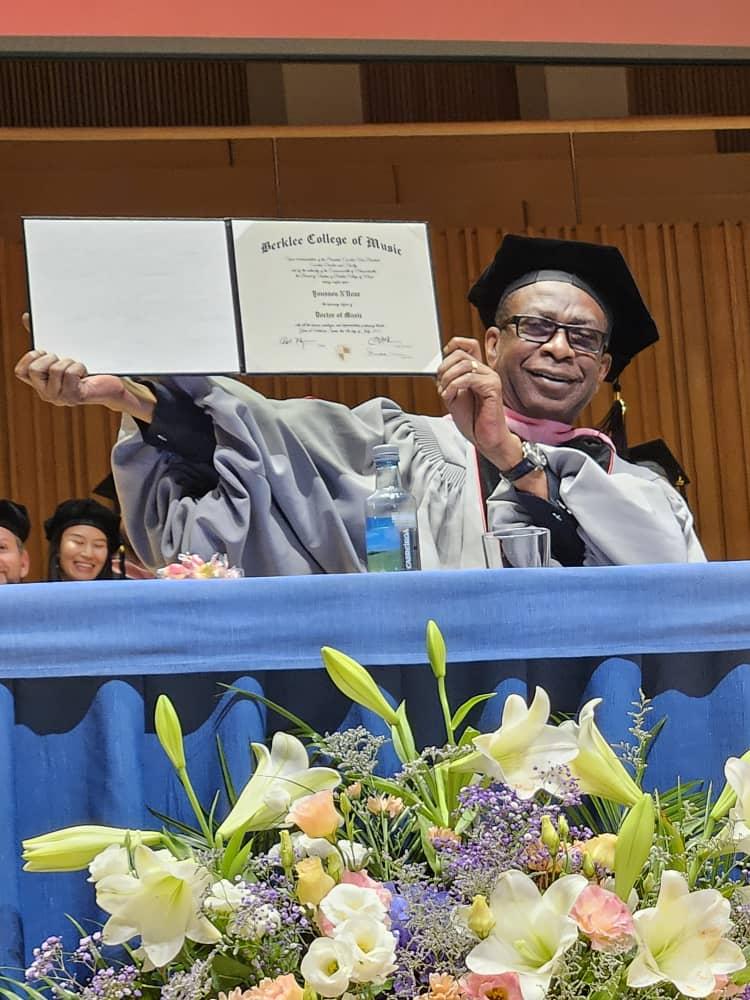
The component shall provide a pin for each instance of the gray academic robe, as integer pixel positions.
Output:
(293, 476)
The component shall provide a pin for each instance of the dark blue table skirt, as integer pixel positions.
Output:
(81, 667)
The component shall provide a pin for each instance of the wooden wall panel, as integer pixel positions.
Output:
(513, 180)
(43, 93)
(702, 187)
(439, 91)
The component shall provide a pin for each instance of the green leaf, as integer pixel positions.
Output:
(228, 971)
(303, 728)
(240, 860)
(230, 852)
(463, 710)
(225, 775)
(467, 736)
(28, 990)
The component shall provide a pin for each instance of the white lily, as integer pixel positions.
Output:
(281, 775)
(596, 767)
(524, 752)
(160, 903)
(681, 939)
(737, 773)
(531, 930)
(113, 860)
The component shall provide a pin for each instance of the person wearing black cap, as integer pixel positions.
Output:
(561, 317)
(14, 530)
(209, 465)
(83, 536)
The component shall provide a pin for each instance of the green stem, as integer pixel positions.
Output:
(443, 696)
(196, 806)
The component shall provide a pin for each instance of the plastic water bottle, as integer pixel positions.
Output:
(391, 517)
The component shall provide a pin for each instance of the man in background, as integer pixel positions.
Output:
(14, 530)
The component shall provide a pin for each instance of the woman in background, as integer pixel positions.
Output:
(83, 537)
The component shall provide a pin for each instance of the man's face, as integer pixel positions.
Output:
(14, 559)
(547, 381)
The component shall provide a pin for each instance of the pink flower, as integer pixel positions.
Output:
(724, 988)
(604, 919)
(175, 571)
(503, 987)
(362, 879)
(315, 815)
(280, 988)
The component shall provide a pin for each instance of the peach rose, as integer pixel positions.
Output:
(280, 988)
(604, 919)
(503, 987)
(315, 815)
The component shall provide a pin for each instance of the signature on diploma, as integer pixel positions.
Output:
(299, 342)
(343, 351)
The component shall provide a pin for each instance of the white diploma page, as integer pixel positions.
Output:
(133, 296)
(336, 297)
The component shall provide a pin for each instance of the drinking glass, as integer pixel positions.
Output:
(514, 548)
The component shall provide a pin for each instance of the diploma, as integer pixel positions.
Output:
(233, 296)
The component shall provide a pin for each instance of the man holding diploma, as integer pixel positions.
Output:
(206, 464)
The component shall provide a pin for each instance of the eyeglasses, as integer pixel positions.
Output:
(538, 330)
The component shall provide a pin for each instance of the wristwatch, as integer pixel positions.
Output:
(533, 458)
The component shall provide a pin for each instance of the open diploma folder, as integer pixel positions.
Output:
(256, 296)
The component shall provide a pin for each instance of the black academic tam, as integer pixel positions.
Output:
(15, 518)
(600, 269)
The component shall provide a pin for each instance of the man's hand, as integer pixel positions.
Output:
(65, 382)
(473, 395)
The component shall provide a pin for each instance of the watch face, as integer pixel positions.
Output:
(534, 454)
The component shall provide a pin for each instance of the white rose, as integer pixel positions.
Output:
(372, 946)
(346, 901)
(224, 897)
(327, 967)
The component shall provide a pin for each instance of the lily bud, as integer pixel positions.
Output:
(345, 805)
(562, 828)
(75, 847)
(286, 851)
(355, 682)
(550, 838)
(309, 993)
(634, 845)
(169, 732)
(436, 649)
(480, 919)
(649, 883)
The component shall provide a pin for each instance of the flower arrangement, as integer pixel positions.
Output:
(514, 865)
(192, 567)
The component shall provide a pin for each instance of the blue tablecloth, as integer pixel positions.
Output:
(81, 667)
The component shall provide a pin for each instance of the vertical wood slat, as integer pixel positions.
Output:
(694, 90)
(57, 93)
(692, 388)
(438, 91)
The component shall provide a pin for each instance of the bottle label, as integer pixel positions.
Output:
(391, 546)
